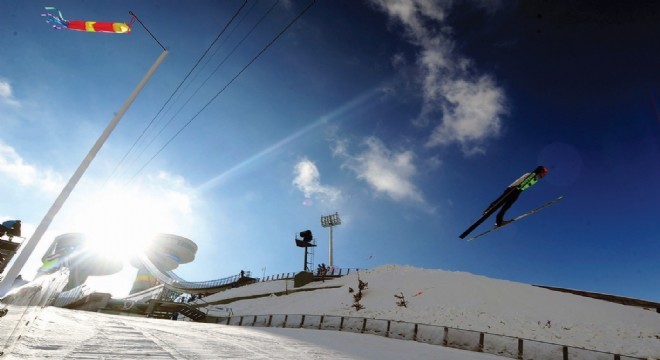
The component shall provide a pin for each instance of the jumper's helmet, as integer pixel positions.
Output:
(541, 170)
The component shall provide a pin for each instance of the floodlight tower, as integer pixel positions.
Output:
(330, 221)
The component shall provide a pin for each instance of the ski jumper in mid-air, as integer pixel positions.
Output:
(512, 192)
(507, 198)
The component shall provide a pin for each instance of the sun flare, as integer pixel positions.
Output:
(119, 221)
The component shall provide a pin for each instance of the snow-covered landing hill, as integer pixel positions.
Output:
(466, 301)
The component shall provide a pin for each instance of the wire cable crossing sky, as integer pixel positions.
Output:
(224, 88)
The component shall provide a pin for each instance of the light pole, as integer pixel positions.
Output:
(330, 221)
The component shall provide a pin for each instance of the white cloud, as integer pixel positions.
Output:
(471, 105)
(12, 166)
(176, 191)
(6, 94)
(386, 171)
(308, 180)
(470, 115)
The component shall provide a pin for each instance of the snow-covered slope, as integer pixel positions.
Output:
(466, 301)
(454, 299)
(67, 334)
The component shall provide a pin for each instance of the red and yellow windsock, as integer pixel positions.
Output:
(99, 26)
(54, 17)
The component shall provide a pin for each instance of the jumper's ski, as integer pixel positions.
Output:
(486, 214)
(518, 218)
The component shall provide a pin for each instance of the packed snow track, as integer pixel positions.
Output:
(61, 333)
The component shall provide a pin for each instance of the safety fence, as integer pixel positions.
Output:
(479, 341)
(331, 272)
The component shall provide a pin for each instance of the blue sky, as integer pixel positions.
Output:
(406, 117)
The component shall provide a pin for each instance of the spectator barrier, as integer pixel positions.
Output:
(496, 344)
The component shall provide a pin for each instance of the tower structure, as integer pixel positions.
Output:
(69, 250)
(330, 221)
(307, 242)
(166, 252)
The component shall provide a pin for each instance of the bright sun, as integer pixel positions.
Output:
(119, 221)
(122, 217)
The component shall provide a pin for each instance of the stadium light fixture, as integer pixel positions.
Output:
(330, 221)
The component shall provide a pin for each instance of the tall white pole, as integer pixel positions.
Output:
(330, 263)
(330, 221)
(28, 247)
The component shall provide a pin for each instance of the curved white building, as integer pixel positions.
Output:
(166, 252)
(69, 250)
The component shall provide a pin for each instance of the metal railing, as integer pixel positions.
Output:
(192, 285)
(182, 285)
(331, 272)
(479, 341)
(159, 292)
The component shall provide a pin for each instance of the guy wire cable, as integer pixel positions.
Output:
(152, 35)
(226, 86)
(177, 88)
(205, 81)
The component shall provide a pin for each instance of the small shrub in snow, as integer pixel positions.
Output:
(402, 300)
